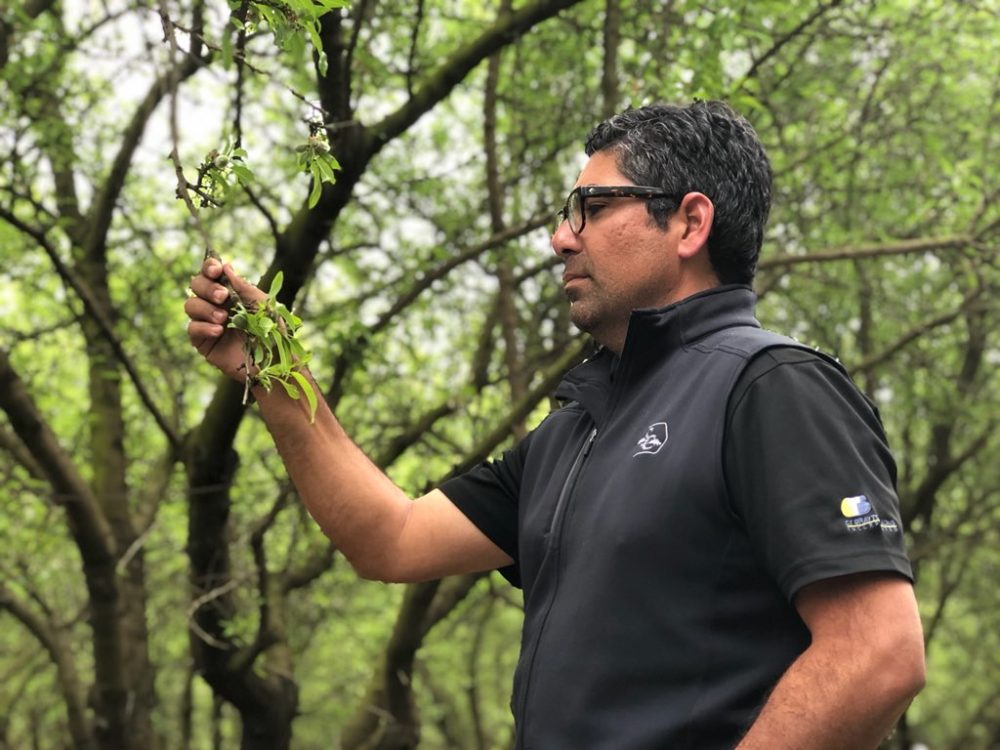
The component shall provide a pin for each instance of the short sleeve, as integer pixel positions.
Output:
(488, 496)
(809, 472)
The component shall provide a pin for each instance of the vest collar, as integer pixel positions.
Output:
(653, 334)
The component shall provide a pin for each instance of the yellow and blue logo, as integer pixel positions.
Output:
(858, 513)
(853, 507)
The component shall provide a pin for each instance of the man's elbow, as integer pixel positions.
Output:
(386, 569)
(903, 666)
(376, 568)
(914, 676)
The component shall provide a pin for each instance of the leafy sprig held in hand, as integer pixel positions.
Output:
(272, 354)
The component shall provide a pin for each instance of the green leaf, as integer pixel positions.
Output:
(290, 389)
(284, 356)
(316, 192)
(266, 326)
(279, 279)
(307, 389)
(325, 170)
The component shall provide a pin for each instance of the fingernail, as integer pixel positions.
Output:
(220, 316)
(220, 295)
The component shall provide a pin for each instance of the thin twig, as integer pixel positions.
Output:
(183, 186)
(201, 601)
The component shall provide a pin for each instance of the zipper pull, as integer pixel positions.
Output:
(590, 442)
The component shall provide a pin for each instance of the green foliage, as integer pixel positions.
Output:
(273, 354)
(314, 157)
(880, 120)
(221, 173)
(291, 22)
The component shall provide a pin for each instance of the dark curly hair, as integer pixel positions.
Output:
(705, 147)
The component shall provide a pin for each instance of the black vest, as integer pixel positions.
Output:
(648, 622)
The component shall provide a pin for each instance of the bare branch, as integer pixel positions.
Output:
(609, 71)
(414, 39)
(352, 351)
(784, 39)
(453, 70)
(874, 360)
(102, 210)
(201, 601)
(12, 445)
(572, 356)
(320, 561)
(452, 591)
(877, 250)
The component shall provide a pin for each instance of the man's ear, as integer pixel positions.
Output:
(695, 215)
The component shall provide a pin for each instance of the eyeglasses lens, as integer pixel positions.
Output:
(574, 211)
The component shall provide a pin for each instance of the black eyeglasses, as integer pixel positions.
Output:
(575, 210)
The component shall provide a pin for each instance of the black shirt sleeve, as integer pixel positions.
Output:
(488, 496)
(809, 472)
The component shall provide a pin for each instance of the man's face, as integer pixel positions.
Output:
(619, 262)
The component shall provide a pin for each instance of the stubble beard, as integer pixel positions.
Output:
(604, 318)
(590, 315)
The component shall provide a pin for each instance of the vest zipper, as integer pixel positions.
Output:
(555, 537)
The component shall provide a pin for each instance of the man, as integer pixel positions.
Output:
(707, 533)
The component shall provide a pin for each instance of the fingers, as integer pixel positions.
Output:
(204, 336)
(208, 290)
(247, 291)
(206, 284)
(207, 323)
(211, 268)
(200, 310)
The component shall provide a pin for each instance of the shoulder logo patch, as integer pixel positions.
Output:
(654, 439)
(858, 513)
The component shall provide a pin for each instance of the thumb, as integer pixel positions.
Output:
(247, 291)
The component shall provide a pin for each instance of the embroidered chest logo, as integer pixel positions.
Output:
(654, 439)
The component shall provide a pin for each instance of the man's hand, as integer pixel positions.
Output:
(208, 311)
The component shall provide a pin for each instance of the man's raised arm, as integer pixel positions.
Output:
(383, 533)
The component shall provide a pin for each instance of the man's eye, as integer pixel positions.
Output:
(594, 208)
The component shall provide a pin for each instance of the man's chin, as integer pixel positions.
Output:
(580, 316)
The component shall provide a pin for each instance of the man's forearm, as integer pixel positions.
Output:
(826, 702)
(864, 666)
(355, 504)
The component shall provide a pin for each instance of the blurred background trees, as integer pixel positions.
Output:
(160, 584)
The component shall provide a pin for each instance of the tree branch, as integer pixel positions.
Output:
(320, 561)
(850, 252)
(609, 70)
(10, 443)
(31, 9)
(68, 679)
(440, 83)
(95, 312)
(573, 355)
(102, 209)
(90, 528)
(414, 39)
(352, 351)
(95, 542)
(874, 360)
(784, 39)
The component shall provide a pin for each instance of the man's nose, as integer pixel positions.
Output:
(564, 240)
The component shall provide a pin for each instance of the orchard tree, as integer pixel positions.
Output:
(396, 166)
